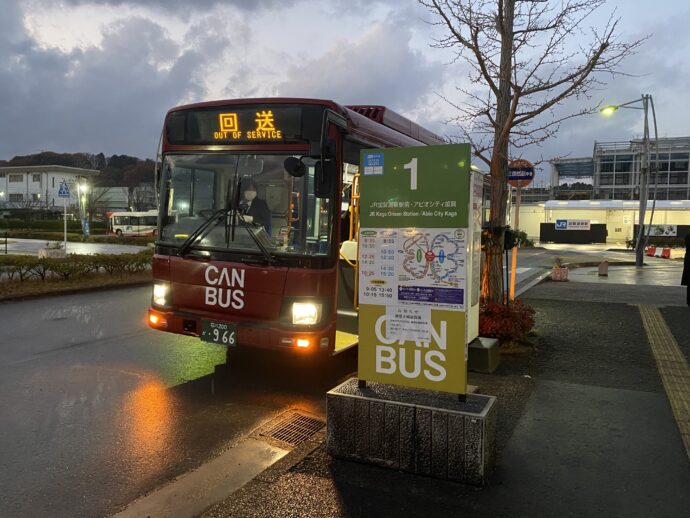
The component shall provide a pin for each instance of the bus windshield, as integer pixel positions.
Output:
(277, 210)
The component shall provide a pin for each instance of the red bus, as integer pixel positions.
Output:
(257, 217)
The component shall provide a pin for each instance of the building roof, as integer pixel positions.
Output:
(616, 204)
(49, 169)
(574, 167)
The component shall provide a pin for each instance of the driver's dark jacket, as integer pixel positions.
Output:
(259, 211)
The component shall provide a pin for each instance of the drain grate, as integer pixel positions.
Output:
(292, 428)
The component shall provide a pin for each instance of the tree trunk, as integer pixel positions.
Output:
(493, 266)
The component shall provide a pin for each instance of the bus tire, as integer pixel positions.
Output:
(118, 232)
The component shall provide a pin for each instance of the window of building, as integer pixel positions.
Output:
(2, 175)
(36, 197)
(16, 178)
(677, 178)
(623, 179)
(606, 179)
(606, 167)
(36, 177)
(677, 194)
(624, 166)
(15, 197)
(678, 165)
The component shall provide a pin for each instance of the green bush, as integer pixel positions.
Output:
(21, 267)
(521, 239)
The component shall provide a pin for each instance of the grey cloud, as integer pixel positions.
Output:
(109, 99)
(171, 6)
(380, 69)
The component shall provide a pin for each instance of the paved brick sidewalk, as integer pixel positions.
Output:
(585, 429)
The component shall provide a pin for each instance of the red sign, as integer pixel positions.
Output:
(520, 173)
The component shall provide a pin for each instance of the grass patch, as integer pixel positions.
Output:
(36, 287)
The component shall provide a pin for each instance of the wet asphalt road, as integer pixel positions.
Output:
(32, 246)
(97, 409)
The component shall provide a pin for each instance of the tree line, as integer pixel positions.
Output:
(116, 170)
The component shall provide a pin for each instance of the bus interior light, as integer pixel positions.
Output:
(160, 293)
(306, 313)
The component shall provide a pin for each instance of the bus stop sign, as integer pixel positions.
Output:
(520, 173)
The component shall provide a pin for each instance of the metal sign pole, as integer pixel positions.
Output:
(65, 224)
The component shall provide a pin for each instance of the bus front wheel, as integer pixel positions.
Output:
(118, 232)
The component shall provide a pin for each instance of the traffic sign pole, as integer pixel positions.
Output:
(520, 174)
(63, 193)
(65, 223)
(513, 266)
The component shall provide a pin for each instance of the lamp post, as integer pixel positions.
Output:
(609, 110)
(82, 190)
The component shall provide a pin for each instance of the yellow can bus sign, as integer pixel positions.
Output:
(418, 264)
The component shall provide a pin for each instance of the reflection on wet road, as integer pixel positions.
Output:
(97, 409)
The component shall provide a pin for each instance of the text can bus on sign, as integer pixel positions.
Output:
(245, 124)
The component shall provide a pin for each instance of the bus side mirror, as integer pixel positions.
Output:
(324, 176)
(295, 167)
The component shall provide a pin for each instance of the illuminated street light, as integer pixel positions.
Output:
(609, 110)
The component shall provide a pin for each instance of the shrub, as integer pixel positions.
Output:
(507, 323)
(22, 267)
(521, 239)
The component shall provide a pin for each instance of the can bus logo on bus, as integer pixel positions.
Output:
(226, 287)
(229, 127)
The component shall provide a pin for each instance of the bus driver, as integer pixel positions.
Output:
(253, 209)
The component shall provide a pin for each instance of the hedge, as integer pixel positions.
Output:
(48, 225)
(22, 267)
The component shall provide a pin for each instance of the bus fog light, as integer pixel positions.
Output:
(302, 342)
(160, 293)
(305, 313)
(157, 320)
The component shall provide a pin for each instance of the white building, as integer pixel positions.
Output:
(37, 186)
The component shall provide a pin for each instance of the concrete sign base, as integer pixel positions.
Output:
(422, 432)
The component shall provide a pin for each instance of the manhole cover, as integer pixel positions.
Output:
(292, 428)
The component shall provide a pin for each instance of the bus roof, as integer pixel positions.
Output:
(375, 123)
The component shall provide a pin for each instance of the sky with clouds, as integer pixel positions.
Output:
(99, 75)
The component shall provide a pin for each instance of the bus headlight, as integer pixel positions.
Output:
(160, 293)
(306, 313)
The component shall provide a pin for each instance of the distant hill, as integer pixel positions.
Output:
(116, 170)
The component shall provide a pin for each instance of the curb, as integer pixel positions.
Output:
(74, 291)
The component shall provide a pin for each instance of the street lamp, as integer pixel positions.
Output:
(609, 110)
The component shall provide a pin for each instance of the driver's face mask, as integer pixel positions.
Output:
(249, 195)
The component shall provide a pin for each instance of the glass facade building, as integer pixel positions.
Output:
(614, 169)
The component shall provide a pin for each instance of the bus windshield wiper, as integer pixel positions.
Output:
(269, 258)
(201, 232)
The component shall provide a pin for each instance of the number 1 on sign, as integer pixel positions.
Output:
(412, 166)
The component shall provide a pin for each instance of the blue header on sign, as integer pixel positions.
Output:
(521, 173)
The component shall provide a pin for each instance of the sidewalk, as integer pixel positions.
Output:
(586, 422)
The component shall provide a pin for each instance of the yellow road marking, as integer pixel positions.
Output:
(673, 368)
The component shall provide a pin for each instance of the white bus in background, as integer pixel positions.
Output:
(133, 223)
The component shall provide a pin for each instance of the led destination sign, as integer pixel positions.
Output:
(265, 128)
(242, 124)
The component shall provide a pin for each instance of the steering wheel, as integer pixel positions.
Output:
(205, 213)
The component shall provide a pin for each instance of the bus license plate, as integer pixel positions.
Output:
(222, 333)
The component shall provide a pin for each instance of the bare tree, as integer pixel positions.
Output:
(526, 57)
